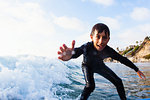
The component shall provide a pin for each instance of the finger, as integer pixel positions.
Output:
(65, 47)
(144, 76)
(60, 57)
(73, 43)
(61, 49)
(139, 75)
(59, 52)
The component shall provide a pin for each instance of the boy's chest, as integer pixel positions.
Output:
(93, 54)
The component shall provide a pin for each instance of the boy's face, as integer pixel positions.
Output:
(100, 40)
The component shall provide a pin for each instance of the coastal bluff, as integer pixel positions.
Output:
(136, 53)
(143, 53)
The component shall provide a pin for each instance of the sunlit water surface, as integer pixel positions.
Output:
(41, 78)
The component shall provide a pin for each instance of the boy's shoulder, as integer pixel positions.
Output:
(87, 44)
(108, 48)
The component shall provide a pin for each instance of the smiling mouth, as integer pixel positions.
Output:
(100, 46)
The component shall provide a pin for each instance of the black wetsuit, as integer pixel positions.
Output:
(93, 63)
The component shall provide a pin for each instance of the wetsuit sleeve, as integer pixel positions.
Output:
(77, 52)
(121, 59)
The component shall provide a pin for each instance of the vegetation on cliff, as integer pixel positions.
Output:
(132, 50)
(136, 53)
(147, 56)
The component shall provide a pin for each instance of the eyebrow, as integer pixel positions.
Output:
(100, 34)
(105, 36)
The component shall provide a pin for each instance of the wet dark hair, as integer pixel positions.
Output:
(100, 27)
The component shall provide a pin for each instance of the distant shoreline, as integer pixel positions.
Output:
(139, 52)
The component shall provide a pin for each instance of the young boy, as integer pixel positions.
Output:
(93, 54)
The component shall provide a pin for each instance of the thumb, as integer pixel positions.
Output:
(73, 44)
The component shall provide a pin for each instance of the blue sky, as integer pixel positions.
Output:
(39, 27)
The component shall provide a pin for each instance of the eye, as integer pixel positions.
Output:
(98, 37)
(105, 37)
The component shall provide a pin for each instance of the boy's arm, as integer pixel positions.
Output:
(77, 52)
(114, 55)
(125, 61)
(80, 50)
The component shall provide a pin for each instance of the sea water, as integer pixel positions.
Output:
(41, 78)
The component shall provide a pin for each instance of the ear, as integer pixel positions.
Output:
(108, 39)
(91, 37)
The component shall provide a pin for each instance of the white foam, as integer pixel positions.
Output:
(31, 78)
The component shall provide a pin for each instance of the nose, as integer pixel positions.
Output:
(100, 41)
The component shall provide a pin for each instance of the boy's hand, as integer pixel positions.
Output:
(141, 75)
(66, 53)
